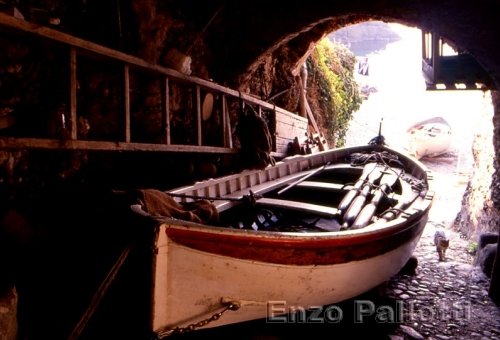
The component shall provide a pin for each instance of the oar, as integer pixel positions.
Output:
(312, 173)
(394, 212)
(397, 209)
(359, 201)
(349, 197)
(386, 182)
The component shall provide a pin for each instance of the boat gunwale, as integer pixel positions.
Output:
(192, 227)
(301, 249)
(325, 156)
(204, 237)
(304, 164)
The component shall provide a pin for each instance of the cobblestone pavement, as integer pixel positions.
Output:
(449, 299)
(445, 300)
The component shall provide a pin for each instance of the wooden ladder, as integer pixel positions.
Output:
(82, 48)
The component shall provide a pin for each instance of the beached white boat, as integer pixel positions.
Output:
(429, 138)
(309, 231)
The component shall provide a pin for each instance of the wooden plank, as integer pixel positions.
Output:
(287, 128)
(300, 180)
(310, 115)
(299, 206)
(312, 120)
(198, 115)
(226, 124)
(435, 53)
(291, 118)
(126, 102)
(282, 145)
(56, 144)
(73, 81)
(324, 185)
(291, 127)
(99, 294)
(166, 109)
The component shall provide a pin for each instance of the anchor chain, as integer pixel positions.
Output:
(202, 323)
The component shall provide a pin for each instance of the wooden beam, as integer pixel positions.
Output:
(99, 295)
(435, 54)
(310, 115)
(226, 124)
(126, 102)
(72, 94)
(56, 144)
(198, 115)
(166, 109)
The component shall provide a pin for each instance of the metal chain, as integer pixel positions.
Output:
(182, 330)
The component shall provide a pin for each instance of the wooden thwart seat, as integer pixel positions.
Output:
(299, 206)
(324, 185)
(337, 187)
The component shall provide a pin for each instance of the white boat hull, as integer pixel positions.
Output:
(198, 270)
(429, 138)
(192, 285)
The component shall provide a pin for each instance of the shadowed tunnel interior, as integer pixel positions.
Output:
(233, 43)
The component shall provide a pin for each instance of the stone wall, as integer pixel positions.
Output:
(481, 203)
(495, 188)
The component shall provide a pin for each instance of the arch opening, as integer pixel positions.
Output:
(396, 93)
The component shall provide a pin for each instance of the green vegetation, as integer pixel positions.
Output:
(331, 66)
(472, 248)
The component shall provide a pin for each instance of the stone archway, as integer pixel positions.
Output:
(245, 34)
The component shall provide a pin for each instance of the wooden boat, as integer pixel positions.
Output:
(429, 138)
(309, 231)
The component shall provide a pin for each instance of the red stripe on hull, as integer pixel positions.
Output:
(313, 250)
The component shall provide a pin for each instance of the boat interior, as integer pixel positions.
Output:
(314, 204)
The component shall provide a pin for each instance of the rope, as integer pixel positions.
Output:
(389, 160)
(250, 197)
(384, 157)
